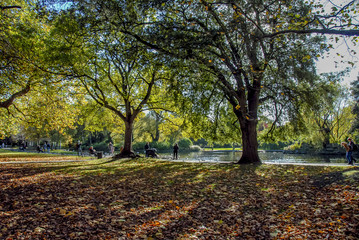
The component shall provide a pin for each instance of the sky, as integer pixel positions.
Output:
(332, 62)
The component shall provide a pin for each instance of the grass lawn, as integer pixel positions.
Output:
(152, 199)
(18, 156)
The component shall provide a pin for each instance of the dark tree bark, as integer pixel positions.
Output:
(7, 103)
(9, 7)
(250, 144)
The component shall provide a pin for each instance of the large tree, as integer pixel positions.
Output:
(255, 49)
(258, 51)
(237, 42)
(117, 72)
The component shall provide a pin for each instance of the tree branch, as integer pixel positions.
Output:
(319, 31)
(10, 100)
(9, 7)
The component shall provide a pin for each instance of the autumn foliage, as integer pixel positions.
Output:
(148, 199)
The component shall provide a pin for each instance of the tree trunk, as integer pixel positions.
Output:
(326, 133)
(127, 147)
(250, 143)
(157, 134)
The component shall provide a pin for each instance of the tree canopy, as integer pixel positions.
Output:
(220, 65)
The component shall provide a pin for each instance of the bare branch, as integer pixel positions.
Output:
(319, 31)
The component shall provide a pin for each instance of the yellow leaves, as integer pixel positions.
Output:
(237, 15)
(238, 107)
(66, 213)
(218, 221)
(306, 58)
(210, 61)
(62, 211)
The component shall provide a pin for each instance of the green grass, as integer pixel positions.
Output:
(19, 156)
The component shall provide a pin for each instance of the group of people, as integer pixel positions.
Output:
(92, 150)
(349, 147)
(46, 147)
(175, 150)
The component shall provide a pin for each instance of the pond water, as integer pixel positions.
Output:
(266, 157)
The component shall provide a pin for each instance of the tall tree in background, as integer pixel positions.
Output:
(117, 72)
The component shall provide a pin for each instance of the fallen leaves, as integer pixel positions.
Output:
(146, 199)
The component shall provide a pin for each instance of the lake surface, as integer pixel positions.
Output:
(266, 157)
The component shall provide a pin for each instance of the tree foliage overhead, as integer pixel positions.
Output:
(228, 64)
(256, 68)
(29, 95)
(117, 72)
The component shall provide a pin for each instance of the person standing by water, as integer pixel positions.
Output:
(147, 147)
(175, 151)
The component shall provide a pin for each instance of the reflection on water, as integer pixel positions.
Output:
(267, 157)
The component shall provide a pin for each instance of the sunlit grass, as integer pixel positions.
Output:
(17, 156)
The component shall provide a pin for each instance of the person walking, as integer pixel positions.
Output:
(351, 145)
(349, 150)
(175, 151)
(111, 148)
(79, 148)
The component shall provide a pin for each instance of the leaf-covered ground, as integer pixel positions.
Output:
(148, 199)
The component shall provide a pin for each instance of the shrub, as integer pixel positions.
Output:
(185, 143)
(102, 146)
(139, 146)
(161, 145)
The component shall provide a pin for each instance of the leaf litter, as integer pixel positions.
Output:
(148, 199)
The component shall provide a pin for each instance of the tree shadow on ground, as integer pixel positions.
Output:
(340, 177)
(141, 199)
